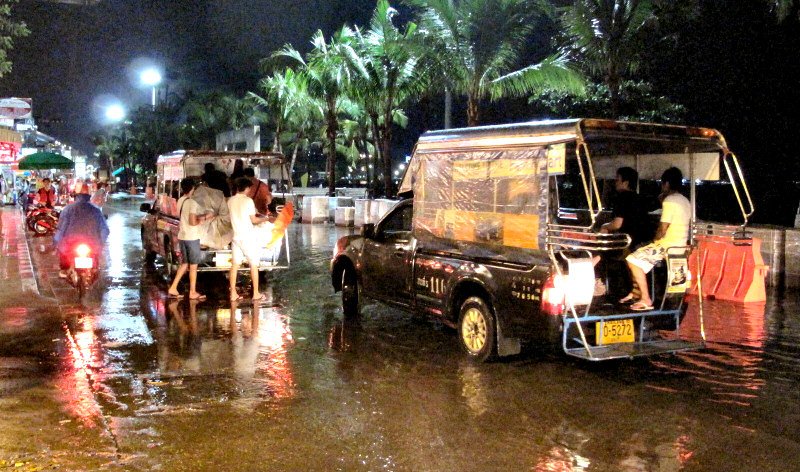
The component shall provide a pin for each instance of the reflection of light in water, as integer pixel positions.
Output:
(561, 459)
(82, 354)
(274, 335)
(735, 336)
(114, 244)
(472, 389)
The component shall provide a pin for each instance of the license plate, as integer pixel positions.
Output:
(84, 263)
(223, 260)
(614, 331)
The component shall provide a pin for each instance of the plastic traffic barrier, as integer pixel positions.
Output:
(730, 270)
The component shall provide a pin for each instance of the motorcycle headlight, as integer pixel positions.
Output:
(82, 250)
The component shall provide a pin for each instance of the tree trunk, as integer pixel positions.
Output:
(613, 82)
(472, 111)
(333, 125)
(294, 153)
(376, 131)
(386, 154)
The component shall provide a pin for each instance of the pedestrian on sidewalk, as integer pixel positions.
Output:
(189, 240)
(245, 244)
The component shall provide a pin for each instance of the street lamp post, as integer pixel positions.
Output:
(152, 77)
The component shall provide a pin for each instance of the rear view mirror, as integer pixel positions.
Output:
(144, 207)
(368, 230)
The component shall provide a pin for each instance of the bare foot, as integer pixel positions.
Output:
(235, 297)
(259, 297)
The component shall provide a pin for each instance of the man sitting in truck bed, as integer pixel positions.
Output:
(673, 231)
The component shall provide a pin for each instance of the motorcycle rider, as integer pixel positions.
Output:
(46, 195)
(80, 222)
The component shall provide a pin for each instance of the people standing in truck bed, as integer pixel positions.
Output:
(215, 179)
(259, 192)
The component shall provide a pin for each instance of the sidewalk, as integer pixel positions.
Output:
(16, 268)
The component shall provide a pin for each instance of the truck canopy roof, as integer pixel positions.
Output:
(649, 147)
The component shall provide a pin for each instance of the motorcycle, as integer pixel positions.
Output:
(42, 220)
(82, 272)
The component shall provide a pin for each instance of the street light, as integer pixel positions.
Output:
(152, 77)
(115, 113)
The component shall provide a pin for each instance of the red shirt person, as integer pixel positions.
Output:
(46, 195)
(259, 192)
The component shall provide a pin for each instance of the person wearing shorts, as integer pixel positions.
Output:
(245, 244)
(673, 231)
(189, 240)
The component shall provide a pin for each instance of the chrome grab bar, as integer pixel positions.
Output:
(716, 232)
(577, 237)
(589, 188)
(729, 156)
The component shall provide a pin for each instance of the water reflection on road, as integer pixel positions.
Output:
(289, 385)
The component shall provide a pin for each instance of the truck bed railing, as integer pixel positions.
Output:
(564, 237)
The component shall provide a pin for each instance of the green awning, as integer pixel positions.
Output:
(45, 160)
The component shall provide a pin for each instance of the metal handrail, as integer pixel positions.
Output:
(590, 188)
(715, 232)
(735, 161)
(560, 236)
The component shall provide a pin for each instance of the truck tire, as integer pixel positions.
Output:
(149, 255)
(169, 260)
(477, 332)
(350, 301)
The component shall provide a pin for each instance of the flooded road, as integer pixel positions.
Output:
(175, 385)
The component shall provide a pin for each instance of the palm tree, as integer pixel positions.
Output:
(294, 111)
(606, 36)
(392, 74)
(476, 46)
(328, 77)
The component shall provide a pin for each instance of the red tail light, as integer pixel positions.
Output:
(82, 250)
(553, 295)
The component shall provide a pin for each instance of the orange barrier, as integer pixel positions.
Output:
(729, 271)
(281, 223)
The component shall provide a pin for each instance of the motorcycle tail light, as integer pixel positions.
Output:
(82, 250)
(553, 295)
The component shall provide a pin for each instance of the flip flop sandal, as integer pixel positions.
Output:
(638, 306)
(201, 297)
(260, 299)
(238, 298)
(627, 299)
(172, 295)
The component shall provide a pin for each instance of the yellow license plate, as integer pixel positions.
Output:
(614, 331)
(83, 262)
(223, 260)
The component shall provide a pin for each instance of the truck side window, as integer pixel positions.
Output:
(398, 226)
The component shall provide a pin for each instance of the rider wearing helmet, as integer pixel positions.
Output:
(80, 222)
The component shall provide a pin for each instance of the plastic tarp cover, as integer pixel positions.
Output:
(486, 199)
(218, 232)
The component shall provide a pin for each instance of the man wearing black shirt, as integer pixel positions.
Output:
(628, 215)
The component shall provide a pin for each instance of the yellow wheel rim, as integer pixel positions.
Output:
(473, 330)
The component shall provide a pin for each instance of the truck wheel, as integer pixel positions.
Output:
(149, 255)
(350, 292)
(169, 261)
(477, 333)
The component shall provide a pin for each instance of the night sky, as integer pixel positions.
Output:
(79, 56)
(734, 68)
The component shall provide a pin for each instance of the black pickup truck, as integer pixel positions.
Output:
(497, 237)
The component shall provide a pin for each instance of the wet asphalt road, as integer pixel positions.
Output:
(147, 383)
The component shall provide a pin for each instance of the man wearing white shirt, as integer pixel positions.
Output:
(245, 245)
(673, 231)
